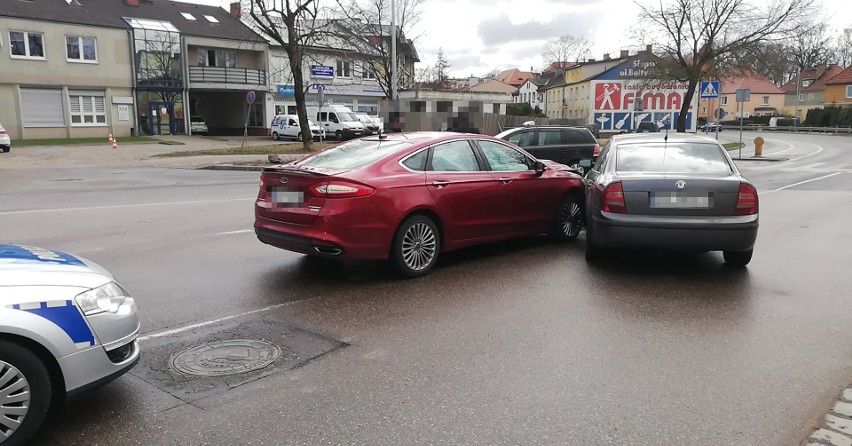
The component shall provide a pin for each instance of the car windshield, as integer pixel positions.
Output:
(354, 154)
(346, 117)
(671, 158)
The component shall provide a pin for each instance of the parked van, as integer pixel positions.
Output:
(287, 126)
(337, 120)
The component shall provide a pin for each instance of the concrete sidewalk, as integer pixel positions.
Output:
(137, 154)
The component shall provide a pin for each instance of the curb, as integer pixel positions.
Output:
(836, 428)
(232, 167)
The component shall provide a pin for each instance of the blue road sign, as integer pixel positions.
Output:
(710, 90)
(251, 96)
(322, 71)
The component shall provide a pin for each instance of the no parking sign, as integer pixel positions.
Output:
(250, 97)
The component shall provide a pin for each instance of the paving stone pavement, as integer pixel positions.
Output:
(836, 429)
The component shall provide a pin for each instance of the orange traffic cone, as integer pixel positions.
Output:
(112, 141)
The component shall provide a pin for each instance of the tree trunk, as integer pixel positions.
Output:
(687, 102)
(295, 56)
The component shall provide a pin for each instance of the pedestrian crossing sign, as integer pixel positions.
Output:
(709, 90)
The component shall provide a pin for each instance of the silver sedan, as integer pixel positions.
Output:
(669, 191)
(65, 326)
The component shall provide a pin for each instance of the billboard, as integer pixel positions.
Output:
(619, 105)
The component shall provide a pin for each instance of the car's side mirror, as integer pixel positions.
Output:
(585, 164)
(538, 167)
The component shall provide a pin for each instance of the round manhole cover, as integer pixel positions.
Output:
(226, 357)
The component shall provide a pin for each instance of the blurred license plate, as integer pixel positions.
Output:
(286, 196)
(680, 200)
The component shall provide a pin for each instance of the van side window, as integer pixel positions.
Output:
(293, 122)
(332, 117)
(322, 116)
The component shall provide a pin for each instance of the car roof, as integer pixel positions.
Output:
(672, 137)
(428, 137)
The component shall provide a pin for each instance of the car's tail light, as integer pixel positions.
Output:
(613, 199)
(261, 195)
(746, 200)
(597, 150)
(339, 189)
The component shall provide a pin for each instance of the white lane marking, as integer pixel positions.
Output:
(789, 147)
(802, 182)
(120, 206)
(241, 231)
(819, 150)
(174, 331)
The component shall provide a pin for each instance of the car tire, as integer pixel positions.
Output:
(299, 136)
(32, 372)
(416, 246)
(276, 136)
(569, 219)
(338, 135)
(738, 258)
(6, 149)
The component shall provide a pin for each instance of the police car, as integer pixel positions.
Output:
(65, 326)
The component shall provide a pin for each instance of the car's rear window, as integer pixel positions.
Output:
(354, 154)
(671, 158)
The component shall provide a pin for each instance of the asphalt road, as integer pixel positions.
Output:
(514, 343)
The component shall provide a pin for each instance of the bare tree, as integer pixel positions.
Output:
(696, 36)
(770, 59)
(365, 28)
(295, 25)
(566, 48)
(811, 46)
(844, 48)
(441, 67)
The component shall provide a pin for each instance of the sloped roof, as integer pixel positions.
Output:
(819, 74)
(553, 67)
(554, 79)
(844, 77)
(494, 86)
(514, 77)
(756, 82)
(109, 13)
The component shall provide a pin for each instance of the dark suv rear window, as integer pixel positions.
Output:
(576, 136)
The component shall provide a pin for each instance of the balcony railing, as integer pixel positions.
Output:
(223, 75)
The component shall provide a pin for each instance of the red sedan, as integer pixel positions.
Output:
(410, 196)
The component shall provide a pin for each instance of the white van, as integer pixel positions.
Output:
(337, 120)
(287, 126)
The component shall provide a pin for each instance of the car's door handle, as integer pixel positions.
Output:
(504, 180)
(440, 183)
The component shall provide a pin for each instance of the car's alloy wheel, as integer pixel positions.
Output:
(339, 135)
(299, 136)
(569, 219)
(275, 136)
(416, 246)
(25, 394)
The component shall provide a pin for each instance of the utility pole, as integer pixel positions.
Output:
(394, 78)
(796, 117)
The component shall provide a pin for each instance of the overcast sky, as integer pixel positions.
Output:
(480, 35)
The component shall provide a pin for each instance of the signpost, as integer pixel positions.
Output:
(743, 95)
(251, 96)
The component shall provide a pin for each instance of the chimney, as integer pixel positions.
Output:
(625, 53)
(235, 9)
(649, 48)
(606, 56)
(132, 2)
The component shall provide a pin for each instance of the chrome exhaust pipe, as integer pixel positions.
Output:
(328, 250)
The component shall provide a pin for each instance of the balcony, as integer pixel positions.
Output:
(222, 77)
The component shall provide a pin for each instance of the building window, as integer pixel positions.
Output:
(807, 83)
(87, 109)
(766, 100)
(367, 71)
(42, 108)
(211, 19)
(26, 44)
(724, 100)
(849, 91)
(81, 49)
(188, 16)
(344, 68)
(217, 58)
(801, 97)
